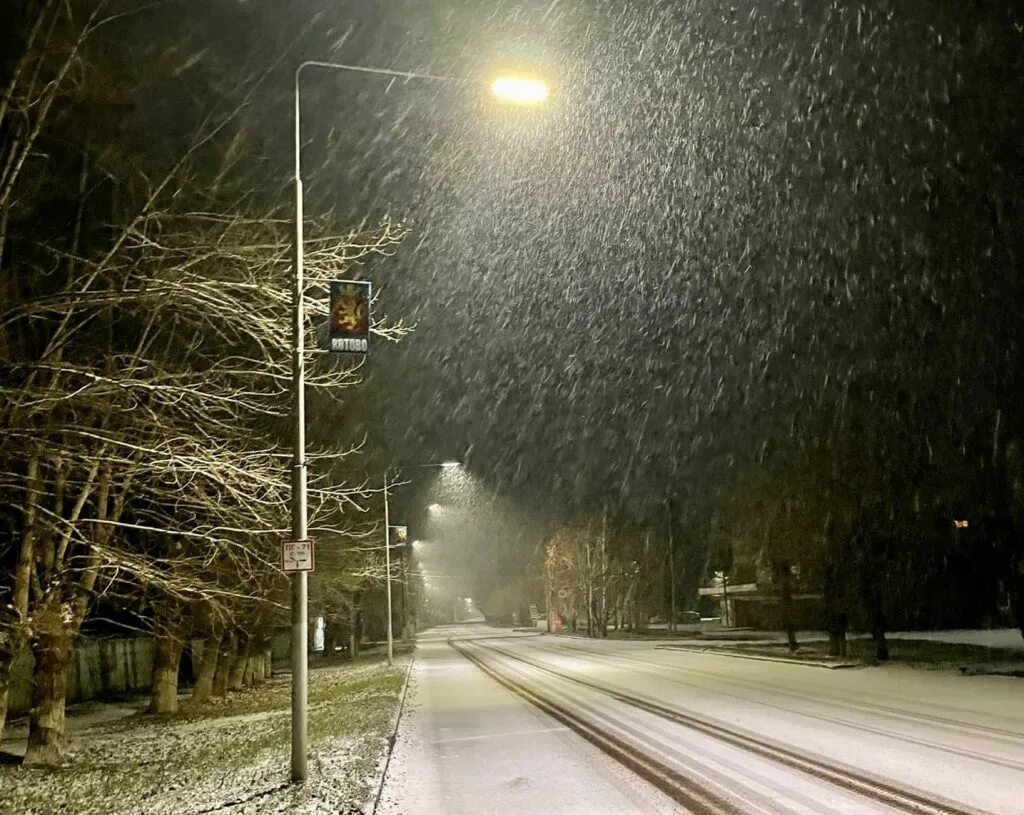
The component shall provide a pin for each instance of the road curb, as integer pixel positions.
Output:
(394, 734)
(721, 651)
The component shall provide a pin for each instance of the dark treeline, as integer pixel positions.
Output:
(145, 269)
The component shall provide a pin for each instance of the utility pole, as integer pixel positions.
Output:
(299, 619)
(603, 561)
(725, 599)
(671, 571)
(510, 89)
(403, 588)
(547, 592)
(387, 568)
(590, 586)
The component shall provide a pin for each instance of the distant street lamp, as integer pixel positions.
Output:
(445, 465)
(510, 89)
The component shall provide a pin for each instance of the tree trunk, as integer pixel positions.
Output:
(237, 671)
(878, 632)
(1017, 595)
(786, 604)
(52, 652)
(207, 668)
(248, 671)
(837, 626)
(225, 659)
(353, 643)
(836, 618)
(166, 661)
(8, 654)
(251, 671)
(6, 660)
(261, 651)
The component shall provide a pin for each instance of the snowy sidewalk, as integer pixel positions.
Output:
(467, 745)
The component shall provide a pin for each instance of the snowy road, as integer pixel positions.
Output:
(514, 724)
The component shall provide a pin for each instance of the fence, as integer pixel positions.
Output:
(101, 667)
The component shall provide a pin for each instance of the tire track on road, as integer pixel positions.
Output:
(691, 794)
(899, 799)
(937, 721)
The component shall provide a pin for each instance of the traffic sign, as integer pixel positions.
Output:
(297, 556)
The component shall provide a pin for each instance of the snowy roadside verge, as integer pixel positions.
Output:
(728, 651)
(915, 653)
(231, 757)
(385, 759)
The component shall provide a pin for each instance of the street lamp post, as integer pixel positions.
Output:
(671, 571)
(517, 90)
(387, 569)
(387, 544)
(299, 594)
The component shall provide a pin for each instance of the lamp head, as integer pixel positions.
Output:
(520, 90)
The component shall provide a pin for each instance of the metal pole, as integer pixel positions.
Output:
(403, 588)
(671, 571)
(300, 623)
(547, 594)
(387, 566)
(725, 600)
(299, 596)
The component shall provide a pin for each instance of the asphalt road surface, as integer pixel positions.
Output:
(498, 723)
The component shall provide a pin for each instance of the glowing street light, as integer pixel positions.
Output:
(446, 465)
(520, 90)
(516, 90)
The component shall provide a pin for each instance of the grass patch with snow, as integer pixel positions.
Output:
(917, 653)
(232, 756)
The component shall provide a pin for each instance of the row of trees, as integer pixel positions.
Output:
(144, 350)
(905, 533)
(867, 544)
(608, 575)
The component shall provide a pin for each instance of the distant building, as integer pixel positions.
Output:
(758, 605)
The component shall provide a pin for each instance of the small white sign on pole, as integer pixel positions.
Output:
(297, 556)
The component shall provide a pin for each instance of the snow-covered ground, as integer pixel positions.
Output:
(470, 745)
(233, 757)
(990, 638)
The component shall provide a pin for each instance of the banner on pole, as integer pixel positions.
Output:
(349, 328)
(399, 535)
